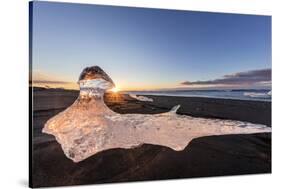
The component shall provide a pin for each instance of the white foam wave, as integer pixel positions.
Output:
(258, 95)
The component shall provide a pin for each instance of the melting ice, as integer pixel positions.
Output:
(141, 98)
(88, 126)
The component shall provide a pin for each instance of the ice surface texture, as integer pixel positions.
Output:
(88, 126)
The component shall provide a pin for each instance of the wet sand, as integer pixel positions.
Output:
(205, 156)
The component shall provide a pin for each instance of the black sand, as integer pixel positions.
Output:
(205, 156)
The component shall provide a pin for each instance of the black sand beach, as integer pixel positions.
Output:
(205, 156)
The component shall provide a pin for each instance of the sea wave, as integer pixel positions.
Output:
(258, 94)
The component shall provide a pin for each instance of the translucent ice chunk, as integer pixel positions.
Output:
(88, 126)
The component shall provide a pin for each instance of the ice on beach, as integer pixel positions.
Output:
(88, 126)
(141, 98)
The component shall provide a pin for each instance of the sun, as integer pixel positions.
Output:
(115, 90)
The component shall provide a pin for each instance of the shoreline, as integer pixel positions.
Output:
(140, 93)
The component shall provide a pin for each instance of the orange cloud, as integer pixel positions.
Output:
(44, 79)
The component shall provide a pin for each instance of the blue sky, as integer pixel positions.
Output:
(146, 48)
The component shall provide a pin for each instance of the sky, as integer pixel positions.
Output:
(146, 49)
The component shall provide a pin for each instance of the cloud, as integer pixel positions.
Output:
(241, 78)
(54, 84)
(50, 82)
(39, 75)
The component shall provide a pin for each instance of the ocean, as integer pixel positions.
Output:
(240, 94)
